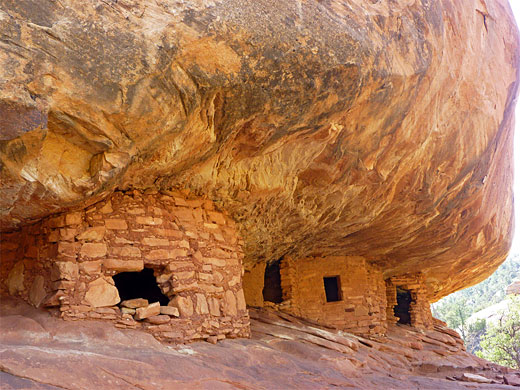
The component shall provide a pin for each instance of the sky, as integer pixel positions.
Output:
(515, 6)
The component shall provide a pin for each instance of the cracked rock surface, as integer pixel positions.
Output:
(372, 128)
(38, 351)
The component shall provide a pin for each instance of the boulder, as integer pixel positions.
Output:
(102, 293)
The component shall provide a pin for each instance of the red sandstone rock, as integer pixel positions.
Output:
(291, 353)
(152, 309)
(135, 303)
(323, 128)
(102, 293)
(121, 265)
(170, 310)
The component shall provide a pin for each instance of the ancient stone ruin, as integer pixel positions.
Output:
(344, 292)
(172, 265)
(305, 172)
(165, 263)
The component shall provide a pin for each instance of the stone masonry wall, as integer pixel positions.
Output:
(362, 308)
(67, 261)
(420, 312)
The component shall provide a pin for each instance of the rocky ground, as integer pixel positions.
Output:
(39, 351)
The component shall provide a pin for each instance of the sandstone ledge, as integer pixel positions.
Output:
(373, 129)
(283, 353)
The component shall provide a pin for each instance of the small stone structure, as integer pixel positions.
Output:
(345, 292)
(68, 261)
(420, 315)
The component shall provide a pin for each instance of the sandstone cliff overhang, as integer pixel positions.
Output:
(355, 128)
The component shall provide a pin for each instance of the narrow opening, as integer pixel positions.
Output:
(332, 288)
(402, 309)
(273, 283)
(140, 285)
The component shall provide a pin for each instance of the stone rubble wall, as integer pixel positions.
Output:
(420, 312)
(362, 309)
(68, 260)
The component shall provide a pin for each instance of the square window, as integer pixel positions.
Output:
(332, 288)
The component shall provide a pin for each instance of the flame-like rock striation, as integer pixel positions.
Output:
(373, 128)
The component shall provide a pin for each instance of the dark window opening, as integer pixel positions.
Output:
(332, 288)
(402, 309)
(140, 285)
(273, 283)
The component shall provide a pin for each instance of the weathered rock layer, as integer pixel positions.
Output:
(373, 129)
(284, 353)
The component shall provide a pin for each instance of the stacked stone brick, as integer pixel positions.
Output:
(362, 308)
(420, 313)
(367, 300)
(67, 261)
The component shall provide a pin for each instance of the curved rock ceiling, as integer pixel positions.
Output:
(375, 128)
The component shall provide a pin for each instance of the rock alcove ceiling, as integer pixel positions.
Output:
(376, 129)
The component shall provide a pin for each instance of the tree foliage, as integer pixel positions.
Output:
(456, 309)
(501, 342)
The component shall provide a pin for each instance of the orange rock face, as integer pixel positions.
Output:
(333, 128)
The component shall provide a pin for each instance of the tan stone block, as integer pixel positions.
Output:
(136, 211)
(218, 237)
(107, 208)
(152, 241)
(163, 278)
(180, 202)
(241, 301)
(184, 214)
(116, 224)
(95, 233)
(127, 310)
(135, 303)
(74, 218)
(126, 251)
(170, 310)
(145, 312)
(230, 304)
(54, 236)
(57, 222)
(205, 277)
(183, 244)
(217, 252)
(184, 304)
(90, 267)
(148, 220)
(179, 287)
(102, 293)
(158, 319)
(212, 226)
(121, 265)
(158, 254)
(94, 249)
(68, 248)
(174, 266)
(64, 270)
(37, 292)
(172, 233)
(216, 217)
(215, 262)
(68, 234)
(15, 278)
(184, 275)
(214, 306)
(201, 306)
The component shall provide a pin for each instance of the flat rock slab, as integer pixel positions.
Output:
(38, 351)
